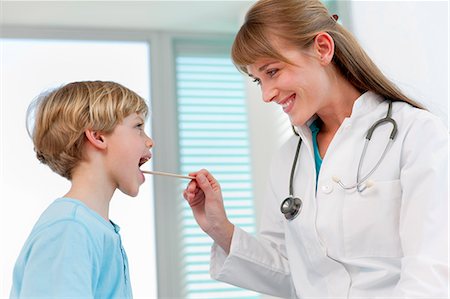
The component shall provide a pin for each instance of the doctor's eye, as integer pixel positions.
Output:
(257, 81)
(272, 72)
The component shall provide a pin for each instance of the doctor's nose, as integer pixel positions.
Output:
(269, 94)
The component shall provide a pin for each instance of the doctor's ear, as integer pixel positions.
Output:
(324, 47)
(95, 138)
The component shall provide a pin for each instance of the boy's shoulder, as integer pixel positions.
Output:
(65, 213)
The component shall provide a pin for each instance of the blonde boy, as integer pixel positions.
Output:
(91, 133)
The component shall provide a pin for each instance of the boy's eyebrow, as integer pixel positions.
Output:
(140, 118)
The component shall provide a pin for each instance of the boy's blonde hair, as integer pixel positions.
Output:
(61, 117)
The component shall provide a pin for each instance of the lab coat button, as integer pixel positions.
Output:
(327, 189)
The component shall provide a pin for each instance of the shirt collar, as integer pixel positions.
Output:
(111, 225)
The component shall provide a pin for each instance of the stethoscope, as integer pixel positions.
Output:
(292, 206)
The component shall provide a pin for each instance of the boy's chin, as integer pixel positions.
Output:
(134, 194)
(131, 193)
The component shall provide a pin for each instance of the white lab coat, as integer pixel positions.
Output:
(389, 241)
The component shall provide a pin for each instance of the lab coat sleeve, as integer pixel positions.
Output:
(424, 213)
(258, 264)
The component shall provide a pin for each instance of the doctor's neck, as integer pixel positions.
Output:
(339, 106)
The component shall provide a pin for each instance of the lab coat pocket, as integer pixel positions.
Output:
(371, 221)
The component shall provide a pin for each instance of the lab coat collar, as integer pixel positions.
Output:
(368, 101)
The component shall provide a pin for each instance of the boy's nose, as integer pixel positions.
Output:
(149, 143)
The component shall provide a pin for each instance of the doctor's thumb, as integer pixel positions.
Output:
(205, 185)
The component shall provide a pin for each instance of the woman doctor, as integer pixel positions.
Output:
(357, 204)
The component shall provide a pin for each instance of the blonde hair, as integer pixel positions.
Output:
(62, 115)
(299, 21)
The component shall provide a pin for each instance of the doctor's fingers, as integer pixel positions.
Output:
(211, 179)
(192, 186)
(205, 184)
(188, 195)
(194, 198)
(191, 189)
(209, 176)
(195, 173)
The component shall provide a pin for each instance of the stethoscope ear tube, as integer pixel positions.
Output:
(388, 118)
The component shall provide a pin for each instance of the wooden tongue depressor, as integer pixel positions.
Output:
(169, 174)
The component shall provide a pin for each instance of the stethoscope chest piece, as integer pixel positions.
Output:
(291, 207)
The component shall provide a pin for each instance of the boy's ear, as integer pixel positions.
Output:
(95, 138)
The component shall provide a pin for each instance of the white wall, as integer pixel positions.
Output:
(166, 15)
(408, 40)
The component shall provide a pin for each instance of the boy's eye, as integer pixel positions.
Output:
(140, 126)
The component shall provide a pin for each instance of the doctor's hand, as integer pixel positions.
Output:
(204, 195)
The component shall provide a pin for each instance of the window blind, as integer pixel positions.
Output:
(213, 134)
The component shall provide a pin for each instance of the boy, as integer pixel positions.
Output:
(91, 133)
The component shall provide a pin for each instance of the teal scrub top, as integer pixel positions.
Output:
(315, 128)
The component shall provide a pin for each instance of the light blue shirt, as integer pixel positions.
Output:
(72, 252)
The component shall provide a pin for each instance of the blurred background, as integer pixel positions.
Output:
(204, 113)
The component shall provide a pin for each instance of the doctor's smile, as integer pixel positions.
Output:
(287, 104)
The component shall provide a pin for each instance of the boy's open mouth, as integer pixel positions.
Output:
(143, 160)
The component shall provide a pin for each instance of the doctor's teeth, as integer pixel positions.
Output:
(286, 104)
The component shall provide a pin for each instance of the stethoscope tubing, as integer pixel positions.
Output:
(291, 210)
(294, 164)
(360, 181)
